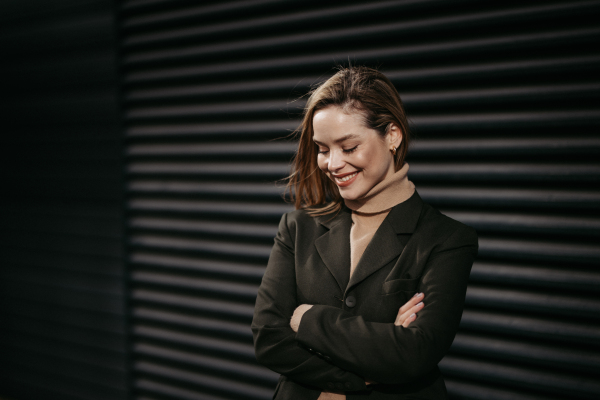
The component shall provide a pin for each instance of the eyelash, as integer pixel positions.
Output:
(348, 151)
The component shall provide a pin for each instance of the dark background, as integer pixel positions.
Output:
(141, 142)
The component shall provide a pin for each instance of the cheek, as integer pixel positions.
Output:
(322, 162)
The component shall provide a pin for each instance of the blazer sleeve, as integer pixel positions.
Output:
(274, 340)
(385, 353)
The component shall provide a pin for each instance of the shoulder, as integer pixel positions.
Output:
(299, 223)
(300, 217)
(447, 231)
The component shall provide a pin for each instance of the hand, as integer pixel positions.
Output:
(408, 312)
(297, 317)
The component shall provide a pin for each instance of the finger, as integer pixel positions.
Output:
(410, 303)
(416, 299)
(414, 309)
(408, 320)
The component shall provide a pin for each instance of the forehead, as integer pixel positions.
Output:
(332, 122)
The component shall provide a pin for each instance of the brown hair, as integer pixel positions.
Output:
(353, 89)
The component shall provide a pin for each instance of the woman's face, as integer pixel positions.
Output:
(354, 157)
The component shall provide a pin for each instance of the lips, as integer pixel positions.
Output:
(345, 180)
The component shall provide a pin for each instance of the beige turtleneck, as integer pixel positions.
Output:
(369, 212)
(367, 215)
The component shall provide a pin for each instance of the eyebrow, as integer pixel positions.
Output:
(343, 138)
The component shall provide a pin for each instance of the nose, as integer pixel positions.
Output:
(336, 161)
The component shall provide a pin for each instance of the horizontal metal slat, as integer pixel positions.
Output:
(251, 231)
(146, 315)
(241, 351)
(525, 147)
(527, 353)
(247, 25)
(470, 72)
(516, 223)
(516, 275)
(531, 250)
(238, 189)
(456, 48)
(414, 101)
(170, 92)
(376, 31)
(501, 95)
(201, 285)
(402, 78)
(470, 391)
(226, 309)
(264, 170)
(148, 388)
(552, 329)
(255, 108)
(244, 271)
(218, 129)
(231, 368)
(514, 198)
(498, 121)
(527, 378)
(533, 302)
(249, 210)
(515, 172)
(225, 386)
(162, 16)
(284, 149)
(231, 249)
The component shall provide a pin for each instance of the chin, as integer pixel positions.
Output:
(350, 195)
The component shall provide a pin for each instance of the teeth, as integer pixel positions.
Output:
(346, 178)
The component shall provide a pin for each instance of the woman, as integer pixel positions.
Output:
(335, 313)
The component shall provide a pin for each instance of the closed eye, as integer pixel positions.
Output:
(347, 151)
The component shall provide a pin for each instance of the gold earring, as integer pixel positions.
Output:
(393, 150)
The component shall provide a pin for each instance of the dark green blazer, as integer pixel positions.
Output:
(349, 335)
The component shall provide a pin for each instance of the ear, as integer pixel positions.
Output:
(394, 135)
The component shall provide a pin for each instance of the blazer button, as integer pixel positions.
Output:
(348, 385)
(330, 385)
(350, 301)
(340, 386)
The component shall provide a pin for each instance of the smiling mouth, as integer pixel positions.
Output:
(346, 178)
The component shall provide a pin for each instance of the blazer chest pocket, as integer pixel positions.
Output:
(400, 285)
(394, 294)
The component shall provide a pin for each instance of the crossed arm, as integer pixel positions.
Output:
(275, 342)
(360, 350)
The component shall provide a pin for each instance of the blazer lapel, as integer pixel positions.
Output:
(385, 245)
(334, 246)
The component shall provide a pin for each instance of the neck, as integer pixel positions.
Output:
(393, 190)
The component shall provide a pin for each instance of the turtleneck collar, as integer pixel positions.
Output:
(393, 190)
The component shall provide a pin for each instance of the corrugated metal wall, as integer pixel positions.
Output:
(62, 310)
(503, 98)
